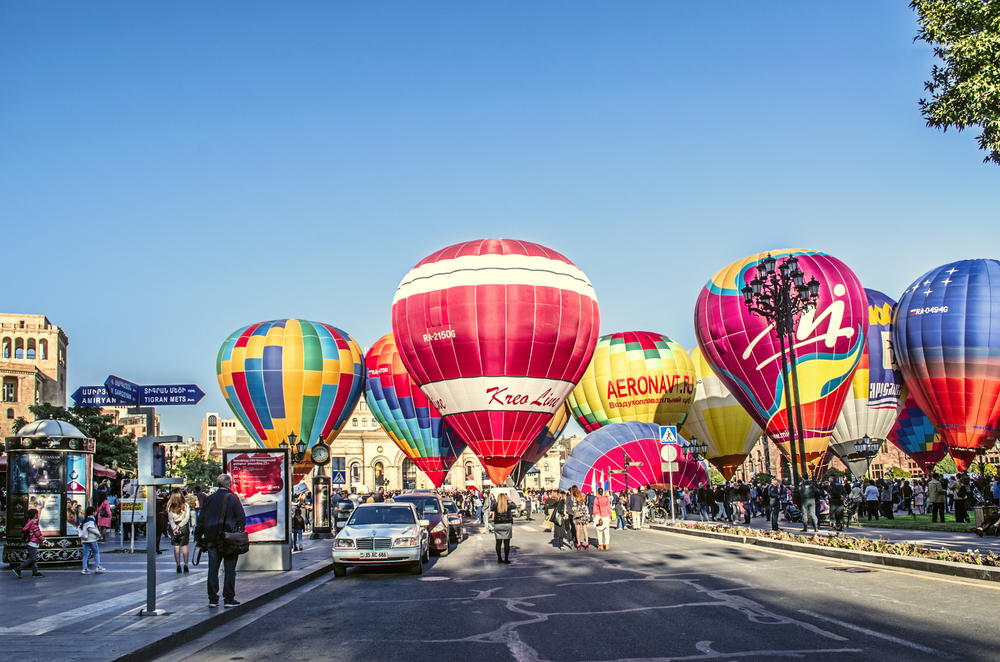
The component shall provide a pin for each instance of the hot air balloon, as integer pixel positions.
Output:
(290, 375)
(603, 451)
(743, 349)
(635, 376)
(947, 342)
(875, 396)
(405, 414)
(718, 420)
(916, 436)
(496, 333)
(542, 443)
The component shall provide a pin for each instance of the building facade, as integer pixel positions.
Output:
(32, 366)
(218, 433)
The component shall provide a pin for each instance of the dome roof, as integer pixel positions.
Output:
(50, 427)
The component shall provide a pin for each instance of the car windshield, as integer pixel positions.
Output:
(425, 505)
(451, 506)
(382, 515)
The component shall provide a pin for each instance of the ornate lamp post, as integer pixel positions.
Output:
(298, 448)
(697, 451)
(779, 294)
(867, 448)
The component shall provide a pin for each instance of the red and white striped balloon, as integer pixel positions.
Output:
(496, 332)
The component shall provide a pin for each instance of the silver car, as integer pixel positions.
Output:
(382, 534)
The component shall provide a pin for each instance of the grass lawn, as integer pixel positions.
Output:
(917, 523)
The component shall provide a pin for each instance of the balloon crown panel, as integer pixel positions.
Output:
(496, 332)
(290, 376)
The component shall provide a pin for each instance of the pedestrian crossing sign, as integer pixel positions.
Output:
(668, 434)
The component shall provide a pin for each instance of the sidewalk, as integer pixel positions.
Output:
(934, 539)
(69, 616)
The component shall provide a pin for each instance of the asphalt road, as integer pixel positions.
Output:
(653, 597)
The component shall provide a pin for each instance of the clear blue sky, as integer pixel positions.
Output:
(170, 172)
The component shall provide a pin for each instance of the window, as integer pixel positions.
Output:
(364, 422)
(19, 348)
(211, 436)
(10, 413)
(545, 466)
(469, 471)
(43, 349)
(379, 474)
(355, 468)
(31, 348)
(212, 421)
(6, 348)
(10, 389)
(354, 422)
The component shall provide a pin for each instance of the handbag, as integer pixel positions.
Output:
(231, 543)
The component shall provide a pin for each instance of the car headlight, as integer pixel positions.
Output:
(345, 542)
(405, 542)
(439, 528)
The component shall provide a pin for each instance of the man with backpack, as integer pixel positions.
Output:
(222, 513)
(774, 502)
(809, 493)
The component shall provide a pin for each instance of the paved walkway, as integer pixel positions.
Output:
(935, 539)
(69, 616)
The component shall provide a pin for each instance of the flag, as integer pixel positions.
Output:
(606, 480)
(593, 482)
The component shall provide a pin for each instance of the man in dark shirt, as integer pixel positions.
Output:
(635, 504)
(774, 500)
(222, 513)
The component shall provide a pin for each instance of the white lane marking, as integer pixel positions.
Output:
(873, 633)
(221, 633)
(49, 623)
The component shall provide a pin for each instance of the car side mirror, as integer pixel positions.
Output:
(425, 522)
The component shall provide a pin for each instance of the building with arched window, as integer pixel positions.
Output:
(32, 365)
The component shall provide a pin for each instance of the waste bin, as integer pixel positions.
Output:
(982, 512)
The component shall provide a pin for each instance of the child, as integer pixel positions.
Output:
(298, 526)
(34, 539)
(90, 535)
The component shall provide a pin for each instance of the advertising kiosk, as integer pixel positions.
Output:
(262, 480)
(50, 466)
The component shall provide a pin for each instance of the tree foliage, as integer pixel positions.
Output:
(946, 466)
(113, 445)
(194, 467)
(965, 89)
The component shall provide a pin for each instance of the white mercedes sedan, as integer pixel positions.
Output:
(382, 534)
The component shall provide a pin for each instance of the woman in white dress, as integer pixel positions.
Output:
(918, 497)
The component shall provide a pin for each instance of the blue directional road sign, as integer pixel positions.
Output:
(170, 394)
(92, 396)
(668, 434)
(121, 391)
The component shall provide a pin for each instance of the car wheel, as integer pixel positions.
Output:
(446, 550)
(417, 568)
(426, 557)
(339, 570)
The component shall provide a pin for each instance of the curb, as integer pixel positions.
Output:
(179, 638)
(952, 569)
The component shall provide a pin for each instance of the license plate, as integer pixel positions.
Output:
(373, 555)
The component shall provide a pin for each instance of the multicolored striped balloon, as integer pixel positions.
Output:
(947, 343)
(916, 435)
(406, 415)
(291, 375)
(743, 349)
(496, 332)
(635, 376)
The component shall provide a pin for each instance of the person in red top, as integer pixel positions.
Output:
(602, 519)
(35, 540)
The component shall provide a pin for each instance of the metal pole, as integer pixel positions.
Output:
(788, 407)
(150, 549)
(798, 407)
(673, 517)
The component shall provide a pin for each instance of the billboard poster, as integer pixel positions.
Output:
(132, 505)
(49, 507)
(260, 480)
(44, 472)
(76, 491)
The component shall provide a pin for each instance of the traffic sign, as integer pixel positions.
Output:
(92, 396)
(338, 477)
(121, 391)
(668, 434)
(669, 453)
(170, 394)
(670, 467)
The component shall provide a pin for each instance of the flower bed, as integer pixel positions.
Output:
(880, 546)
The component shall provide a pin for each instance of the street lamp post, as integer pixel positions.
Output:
(697, 452)
(867, 448)
(779, 294)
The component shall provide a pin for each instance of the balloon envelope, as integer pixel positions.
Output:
(719, 420)
(876, 389)
(635, 376)
(542, 443)
(291, 375)
(947, 343)
(744, 351)
(604, 451)
(405, 414)
(916, 436)
(496, 333)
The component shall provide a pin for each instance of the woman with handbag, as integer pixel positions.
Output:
(179, 523)
(103, 509)
(558, 519)
(581, 518)
(503, 526)
(602, 519)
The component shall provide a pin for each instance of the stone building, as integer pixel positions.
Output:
(218, 433)
(134, 423)
(32, 366)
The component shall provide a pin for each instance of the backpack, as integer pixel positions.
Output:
(25, 534)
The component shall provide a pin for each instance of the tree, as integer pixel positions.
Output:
(834, 472)
(946, 466)
(717, 478)
(194, 467)
(113, 445)
(898, 472)
(965, 91)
